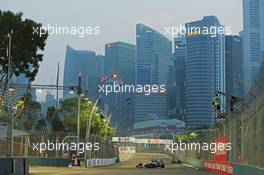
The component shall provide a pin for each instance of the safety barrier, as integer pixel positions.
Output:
(225, 168)
(51, 161)
(240, 169)
(101, 162)
(15, 166)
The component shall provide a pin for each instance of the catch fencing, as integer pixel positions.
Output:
(43, 144)
(244, 127)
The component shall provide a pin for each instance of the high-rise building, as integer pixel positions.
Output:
(234, 65)
(84, 62)
(50, 101)
(152, 66)
(204, 71)
(179, 57)
(253, 39)
(120, 59)
(100, 65)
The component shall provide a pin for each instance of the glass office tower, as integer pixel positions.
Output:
(153, 52)
(253, 39)
(120, 58)
(234, 63)
(84, 62)
(204, 72)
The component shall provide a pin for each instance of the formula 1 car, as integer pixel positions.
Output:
(152, 164)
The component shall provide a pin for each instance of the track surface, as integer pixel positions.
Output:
(127, 168)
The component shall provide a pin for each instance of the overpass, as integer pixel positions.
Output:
(128, 168)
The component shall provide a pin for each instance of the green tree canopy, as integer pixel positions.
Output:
(69, 112)
(28, 117)
(54, 121)
(187, 136)
(26, 45)
(41, 125)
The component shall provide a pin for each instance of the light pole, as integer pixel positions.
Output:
(79, 93)
(114, 75)
(9, 113)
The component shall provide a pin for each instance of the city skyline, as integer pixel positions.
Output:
(114, 87)
(171, 13)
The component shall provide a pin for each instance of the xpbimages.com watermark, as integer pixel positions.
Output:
(213, 31)
(51, 146)
(126, 88)
(79, 31)
(212, 147)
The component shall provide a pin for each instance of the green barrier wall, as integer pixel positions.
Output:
(15, 166)
(195, 162)
(6, 166)
(38, 161)
(247, 170)
(239, 169)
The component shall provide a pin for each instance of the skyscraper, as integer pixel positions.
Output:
(205, 72)
(84, 62)
(50, 101)
(177, 79)
(253, 39)
(179, 74)
(100, 65)
(152, 65)
(234, 63)
(120, 58)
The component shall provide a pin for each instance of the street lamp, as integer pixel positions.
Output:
(39, 90)
(114, 75)
(10, 117)
(71, 92)
(79, 92)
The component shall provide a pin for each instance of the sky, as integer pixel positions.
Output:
(117, 20)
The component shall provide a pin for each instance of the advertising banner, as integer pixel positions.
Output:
(221, 152)
(220, 164)
(225, 168)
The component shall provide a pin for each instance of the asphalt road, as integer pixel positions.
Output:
(127, 168)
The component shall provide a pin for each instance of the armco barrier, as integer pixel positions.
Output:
(15, 166)
(101, 162)
(52, 161)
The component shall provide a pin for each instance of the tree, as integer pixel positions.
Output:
(41, 125)
(68, 111)
(54, 121)
(26, 45)
(28, 117)
(26, 54)
(187, 136)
